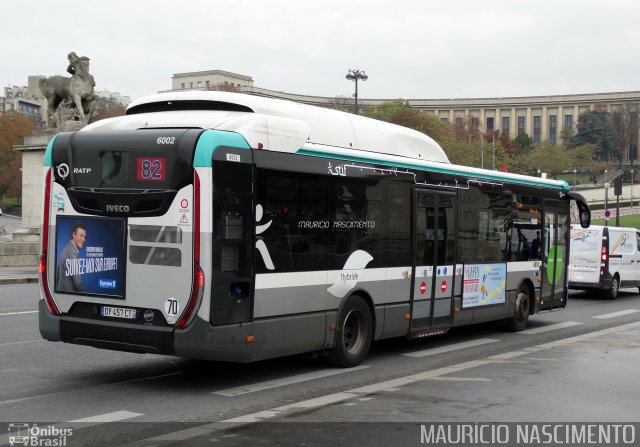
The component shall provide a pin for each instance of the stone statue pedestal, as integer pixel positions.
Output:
(70, 126)
(32, 152)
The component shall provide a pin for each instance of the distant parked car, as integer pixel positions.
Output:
(0, 211)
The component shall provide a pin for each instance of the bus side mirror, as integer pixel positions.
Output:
(585, 218)
(583, 208)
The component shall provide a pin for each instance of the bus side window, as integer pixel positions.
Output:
(638, 240)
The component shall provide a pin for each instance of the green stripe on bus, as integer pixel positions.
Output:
(49, 151)
(564, 185)
(211, 140)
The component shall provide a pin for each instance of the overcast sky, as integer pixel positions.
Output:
(409, 48)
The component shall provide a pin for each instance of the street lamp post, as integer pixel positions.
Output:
(632, 188)
(606, 200)
(574, 178)
(355, 75)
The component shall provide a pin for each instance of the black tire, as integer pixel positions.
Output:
(521, 311)
(354, 332)
(614, 289)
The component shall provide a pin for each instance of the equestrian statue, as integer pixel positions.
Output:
(78, 89)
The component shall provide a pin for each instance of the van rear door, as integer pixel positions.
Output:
(585, 251)
(622, 253)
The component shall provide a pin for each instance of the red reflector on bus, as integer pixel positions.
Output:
(200, 278)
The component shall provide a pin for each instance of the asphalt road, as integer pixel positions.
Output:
(569, 366)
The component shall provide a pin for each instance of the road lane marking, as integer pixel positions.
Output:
(141, 379)
(453, 347)
(261, 386)
(107, 417)
(616, 314)
(462, 379)
(19, 313)
(363, 392)
(23, 341)
(407, 380)
(24, 399)
(42, 396)
(551, 327)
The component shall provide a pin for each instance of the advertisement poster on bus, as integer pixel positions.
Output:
(483, 284)
(90, 256)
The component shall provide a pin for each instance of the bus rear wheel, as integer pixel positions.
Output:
(521, 311)
(354, 333)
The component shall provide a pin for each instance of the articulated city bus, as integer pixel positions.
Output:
(232, 227)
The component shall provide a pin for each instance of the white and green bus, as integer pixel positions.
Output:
(231, 227)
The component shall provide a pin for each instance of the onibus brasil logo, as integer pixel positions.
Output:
(33, 435)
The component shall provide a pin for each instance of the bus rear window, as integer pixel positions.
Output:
(114, 169)
(157, 159)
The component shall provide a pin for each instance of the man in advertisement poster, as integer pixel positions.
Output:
(68, 275)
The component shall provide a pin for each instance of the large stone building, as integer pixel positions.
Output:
(205, 80)
(26, 100)
(543, 118)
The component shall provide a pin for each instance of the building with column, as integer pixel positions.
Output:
(205, 80)
(543, 118)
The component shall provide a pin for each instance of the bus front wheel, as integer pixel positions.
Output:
(354, 333)
(521, 311)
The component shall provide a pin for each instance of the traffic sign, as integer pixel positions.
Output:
(607, 214)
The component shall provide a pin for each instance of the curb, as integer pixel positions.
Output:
(24, 280)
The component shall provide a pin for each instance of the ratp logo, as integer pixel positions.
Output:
(63, 170)
(32, 435)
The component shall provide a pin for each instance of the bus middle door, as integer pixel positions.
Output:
(554, 256)
(434, 225)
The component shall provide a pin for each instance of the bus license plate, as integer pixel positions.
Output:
(118, 312)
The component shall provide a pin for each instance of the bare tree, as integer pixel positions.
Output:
(224, 88)
(342, 103)
(624, 121)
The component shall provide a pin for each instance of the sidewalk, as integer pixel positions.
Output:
(19, 275)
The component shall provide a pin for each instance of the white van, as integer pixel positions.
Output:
(604, 258)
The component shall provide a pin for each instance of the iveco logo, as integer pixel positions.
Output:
(117, 208)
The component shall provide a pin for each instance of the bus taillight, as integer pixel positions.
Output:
(197, 289)
(196, 297)
(45, 244)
